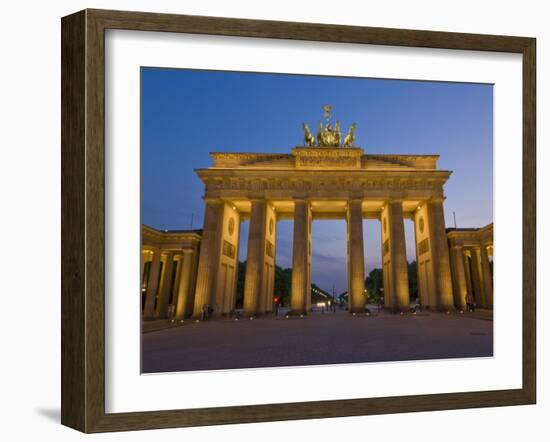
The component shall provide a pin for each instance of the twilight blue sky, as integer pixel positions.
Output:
(186, 114)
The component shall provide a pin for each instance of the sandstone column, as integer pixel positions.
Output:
(209, 255)
(440, 255)
(178, 258)
(356, 267)
(459, 278)
(268, 282)
(487, 277)
(467, 272)
(228, 259)
(255, 259)
(182, 304)
(300, 258)
(477, 277)
(166, 286)
(144, 259)
(394, 257)
(152, 287)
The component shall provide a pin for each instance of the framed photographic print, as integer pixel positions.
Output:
(320, 221)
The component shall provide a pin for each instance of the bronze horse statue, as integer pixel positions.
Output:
(309, 140)
(349, 140)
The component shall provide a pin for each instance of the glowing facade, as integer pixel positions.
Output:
(314, 182)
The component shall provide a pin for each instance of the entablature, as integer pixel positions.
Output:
(173, 240)
(220, 183)
(322, 158)
(471, 238)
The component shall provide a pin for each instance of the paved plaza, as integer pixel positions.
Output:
(330, 338)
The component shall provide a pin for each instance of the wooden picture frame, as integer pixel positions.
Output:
(83, 220)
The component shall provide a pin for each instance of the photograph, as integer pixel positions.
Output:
(302, 220)
(307, 197)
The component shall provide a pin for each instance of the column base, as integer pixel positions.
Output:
(399, 310)
(212, 317)
(300, 312)
(444, 308)
(252, 314)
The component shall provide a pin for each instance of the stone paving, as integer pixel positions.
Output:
(329, 338)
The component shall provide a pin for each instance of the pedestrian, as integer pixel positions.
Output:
(204, 310)
(469, 302)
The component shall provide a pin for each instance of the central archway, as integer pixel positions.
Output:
(329, 261)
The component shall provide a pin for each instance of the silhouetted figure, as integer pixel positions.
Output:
(470, 302)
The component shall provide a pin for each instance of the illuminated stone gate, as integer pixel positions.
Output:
(327, 178)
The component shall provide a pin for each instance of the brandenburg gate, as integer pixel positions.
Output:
(329, 177)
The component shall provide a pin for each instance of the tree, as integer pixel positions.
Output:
(374, 284)
(283, 284)
(283, 281)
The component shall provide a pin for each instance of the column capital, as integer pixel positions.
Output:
(436, 199)
(393, 199)
(299, 200)
(256, 196)
(257, 199)
(187, 251)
